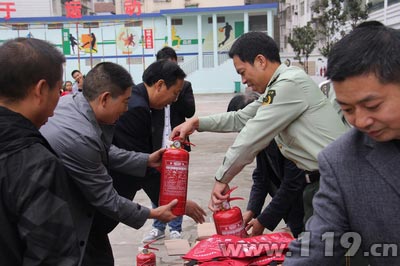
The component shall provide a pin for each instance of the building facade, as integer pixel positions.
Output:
(193, 27)
(196, 34)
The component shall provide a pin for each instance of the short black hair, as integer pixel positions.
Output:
(166, 70)
(240, 101)
(370, 23)
(251, 44)
(167, 53)
(25, 61)
(365, 50)
(74, 71)
(106, 76)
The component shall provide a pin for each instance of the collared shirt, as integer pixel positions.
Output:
(86, 150)
(75, 87)
(167, 127)
(293, 110)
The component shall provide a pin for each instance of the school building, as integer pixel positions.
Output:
(201, 37)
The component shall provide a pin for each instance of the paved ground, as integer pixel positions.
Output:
(204, 161)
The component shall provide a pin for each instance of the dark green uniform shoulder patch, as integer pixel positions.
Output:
(269, 97)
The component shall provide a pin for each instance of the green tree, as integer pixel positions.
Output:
(330, 17)
(357, 12)
(303, 43)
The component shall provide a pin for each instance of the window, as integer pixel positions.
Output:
(219, 20)
(176, 21)
(55, 26)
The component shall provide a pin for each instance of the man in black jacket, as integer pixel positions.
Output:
(163, 121)
(40, 210)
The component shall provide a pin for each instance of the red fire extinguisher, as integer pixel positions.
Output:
(145, 257)
(174, 177)
(229, 220)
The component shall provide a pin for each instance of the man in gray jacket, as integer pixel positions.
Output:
(357, 206)
(81, 132)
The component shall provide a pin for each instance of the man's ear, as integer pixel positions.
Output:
(104, 98)
(40, 90)
(159, 84)
(261, 61)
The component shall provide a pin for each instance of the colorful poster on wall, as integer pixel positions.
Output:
(148, 39)
(127, 40)
(89, 43)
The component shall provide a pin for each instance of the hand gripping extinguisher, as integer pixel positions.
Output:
(174, 177)
(145, 257)
(229, 220)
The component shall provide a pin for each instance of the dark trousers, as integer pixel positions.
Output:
(308, 195)
(98, 251)
(295, 216)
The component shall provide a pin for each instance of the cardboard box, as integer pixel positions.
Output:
(205, 230)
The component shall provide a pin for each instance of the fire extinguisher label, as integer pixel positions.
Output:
(176, 182)
(232, 229)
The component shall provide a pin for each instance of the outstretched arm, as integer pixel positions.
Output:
(185, 129)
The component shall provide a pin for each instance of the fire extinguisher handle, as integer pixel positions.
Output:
(182, 142)
(147, 246)
(230, 190)
(235, 198)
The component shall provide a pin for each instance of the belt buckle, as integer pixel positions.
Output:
(308, 181)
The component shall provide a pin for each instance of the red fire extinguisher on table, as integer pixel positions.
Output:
(174, 177)
(229, 220)
(145, 257)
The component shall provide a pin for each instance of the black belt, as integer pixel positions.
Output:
(312, 177)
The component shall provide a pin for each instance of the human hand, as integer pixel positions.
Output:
(194, 211)
(164, 212)
(155, 158)
(256, 226)
(218, 196)
(185, 129)
(247, 216)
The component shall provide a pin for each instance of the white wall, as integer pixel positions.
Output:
(36, 8)
(219, 80)
(392, 16)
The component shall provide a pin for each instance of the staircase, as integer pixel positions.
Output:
(192, 65)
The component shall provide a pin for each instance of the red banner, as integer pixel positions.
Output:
(148, 38)
(73, 9)
(131, 6)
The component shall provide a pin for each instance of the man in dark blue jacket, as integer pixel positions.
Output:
(163, 121)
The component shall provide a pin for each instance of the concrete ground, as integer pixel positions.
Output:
(205, 159)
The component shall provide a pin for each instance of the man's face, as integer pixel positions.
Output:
(164, 95)
(370, 106)
(252, 75)
(114, 108)
(77, 76)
